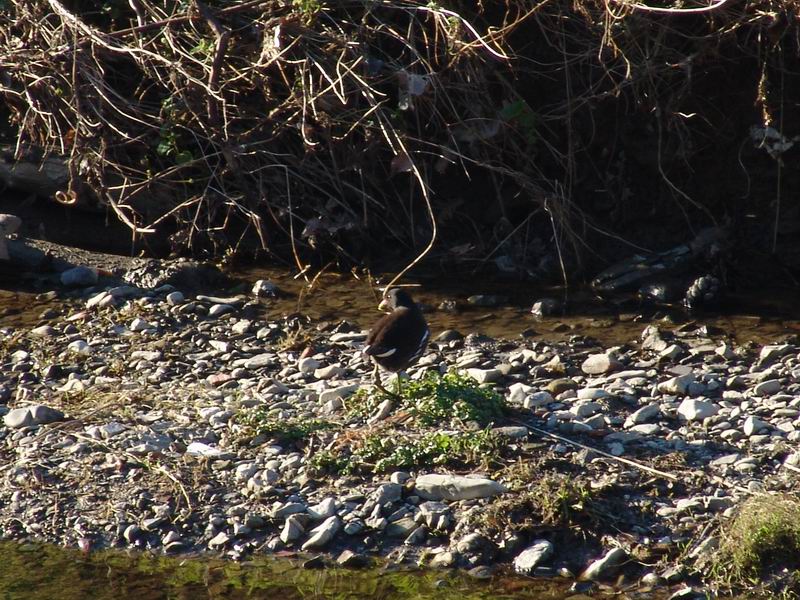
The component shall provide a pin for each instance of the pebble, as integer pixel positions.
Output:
(323, 534)
(37, 414)
(456, 487)
(697, 410)
(605, 567)
(533, 556)
(598, 364)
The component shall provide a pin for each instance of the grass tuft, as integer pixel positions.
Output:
(761, 540)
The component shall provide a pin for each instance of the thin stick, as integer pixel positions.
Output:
(626, 461)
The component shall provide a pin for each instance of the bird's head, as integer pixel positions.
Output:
(395, 298)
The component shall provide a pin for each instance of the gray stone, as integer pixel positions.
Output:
(323, 534)
(260, 360)
(456, 487)
(753, 425)
(265, 289)
(643, 415)
(530, 558)
(676, 385)
(80, 276)
(767, 388)
(605, 567)
(292, 529)
(598, 364)
(37, 414)
(484, 375)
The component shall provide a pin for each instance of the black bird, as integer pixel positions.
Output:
(399, 338)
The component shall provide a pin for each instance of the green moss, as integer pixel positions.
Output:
(441, 400)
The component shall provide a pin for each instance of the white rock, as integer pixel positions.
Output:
(598, 364)
(79, 347)
(175, 298)
(484, 375)
(585, 409)
(697, 410)
(139, 325)
(606, 566)
(676, 385)
(456, 487)
(265, 289)
(767, 388)
(338, 392)
(643, 415)
(753, 425)
(517, 392)
(323, 534)
(530, 558)
(292, 529)
(538, 399)
(308, 365)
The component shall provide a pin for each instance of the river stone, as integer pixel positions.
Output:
(80, 276)
(767, 388)
(559, 386)
(697, 410)
(265, 289)
(292, 529)
(329, 372)
(323, 534)
(175, 298)
(530, 558)
(401, 528)
(456, 487)
(449, 335)
(44, 331)
(606, 566)
(772, 352)
(598, 364)
(538, 399)
(351, 560)
(676, 385)
(260, 360)
(517, 392)
(435, 515)
(38, 414)
(753, 425)
(585, 409)
(326, 508)
(308, 365)
(643, 415)
(485, 375)
(338, 392)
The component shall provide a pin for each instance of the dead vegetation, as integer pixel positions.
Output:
(328, 129)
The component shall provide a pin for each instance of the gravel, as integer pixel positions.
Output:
(123, 425)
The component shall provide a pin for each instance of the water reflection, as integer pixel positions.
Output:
(33, 572)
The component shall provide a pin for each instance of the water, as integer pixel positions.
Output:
(41, 572)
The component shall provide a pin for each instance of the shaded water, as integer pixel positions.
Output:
(761, 317)
(38, 572)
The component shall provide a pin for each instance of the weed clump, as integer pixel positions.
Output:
(450, 399)
(285, 430)
(552, 500)
(762, 539)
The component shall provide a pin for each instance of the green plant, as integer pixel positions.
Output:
(442, 399)
(380, 453)
(286, 430)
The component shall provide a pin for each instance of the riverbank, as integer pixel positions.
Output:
(183, 423)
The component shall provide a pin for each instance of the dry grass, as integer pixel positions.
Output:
(334, 126)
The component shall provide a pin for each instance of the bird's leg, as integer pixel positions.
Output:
(379, 384)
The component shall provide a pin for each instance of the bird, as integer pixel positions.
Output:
(399, 338)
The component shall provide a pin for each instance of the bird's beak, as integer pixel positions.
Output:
(384, 305)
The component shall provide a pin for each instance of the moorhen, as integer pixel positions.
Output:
(399, 338)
